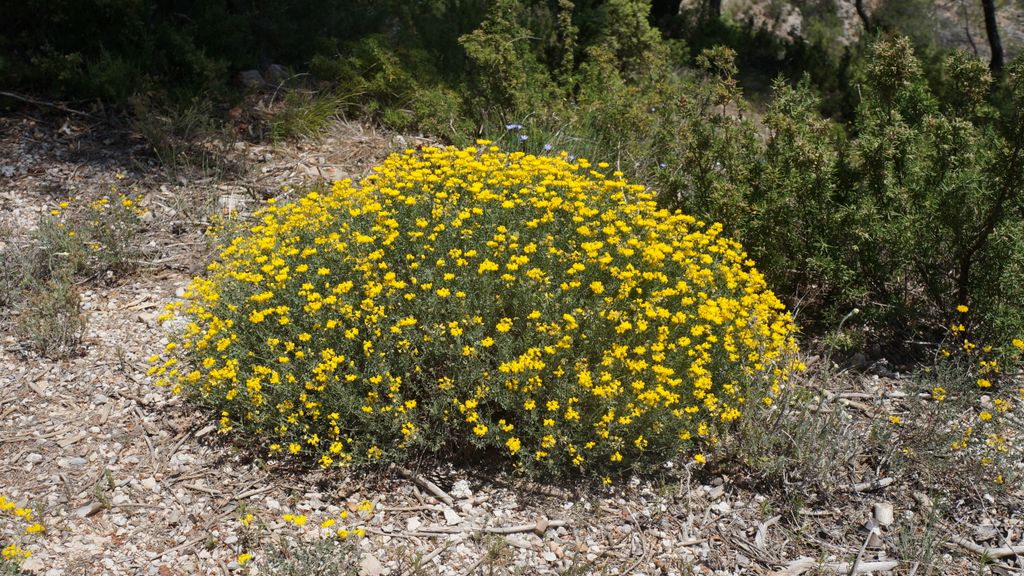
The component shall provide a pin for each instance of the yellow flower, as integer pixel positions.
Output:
(962, 309)
(513, 444)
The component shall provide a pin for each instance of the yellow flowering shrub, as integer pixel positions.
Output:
(475, 301)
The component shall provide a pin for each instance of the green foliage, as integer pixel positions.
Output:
(904, 215)
(401, 87)
(507, 72)
(76, 242)
(305, 114)
(49, 318)
(114, 49)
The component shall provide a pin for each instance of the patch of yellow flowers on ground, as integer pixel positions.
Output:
(9, 551)
(471, 299)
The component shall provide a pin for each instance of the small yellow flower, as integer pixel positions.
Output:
(513, 444)
(962, 309)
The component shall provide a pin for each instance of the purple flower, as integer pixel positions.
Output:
(513, 127)
(523, 137)
(572, 158)
(547, 147)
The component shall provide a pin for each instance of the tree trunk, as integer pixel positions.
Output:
(996, 63)
(715, 9)
(864, 18)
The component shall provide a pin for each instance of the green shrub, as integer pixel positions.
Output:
(469, 300)
(399, 86)
(904, 214)
(95, 239)
(49, 318)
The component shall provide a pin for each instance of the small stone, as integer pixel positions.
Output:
(34, 458)
(150, 484)
(549, 556)
(89, 509)
(518, 542)
(412, 524)
(451, 517)
(370, 566)
(461, 489)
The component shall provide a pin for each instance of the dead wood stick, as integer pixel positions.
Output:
(514, 529)
(253, 492)
(426, 485)
(873, 485)
(544, 490)
(35, 102)
(523, 527)
(426, 559)
(199, 488)
(475, 565)
(994, 553)
(802, 565)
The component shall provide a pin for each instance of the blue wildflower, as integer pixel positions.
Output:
(513, 127)
(547, 147)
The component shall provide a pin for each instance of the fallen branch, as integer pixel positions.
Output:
(872, 485)
(426, 485)
(801, 565)
(423, 561)
(538, 527)
(544, 490)
(35, 102)
(993, 553)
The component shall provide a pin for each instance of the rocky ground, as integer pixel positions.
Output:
(128, 480)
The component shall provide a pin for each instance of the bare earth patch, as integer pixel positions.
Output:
(129, 480)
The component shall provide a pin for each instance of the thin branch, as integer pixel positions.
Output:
(35, 102)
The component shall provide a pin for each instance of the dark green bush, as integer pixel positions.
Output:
(907, 213)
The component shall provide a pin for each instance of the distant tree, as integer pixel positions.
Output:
(992, 30)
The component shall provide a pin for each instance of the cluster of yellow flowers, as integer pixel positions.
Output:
(342, 526)
(986, 433)
(537, 307)
(97, 228)
(12, 552)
